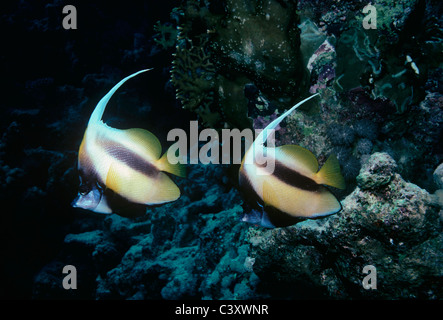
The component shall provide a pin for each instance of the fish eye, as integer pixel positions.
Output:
(83, 189)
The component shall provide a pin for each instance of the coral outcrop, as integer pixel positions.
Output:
(193, 248)
(222, 49)
(203, 250)
(237, 64)
(386, 222)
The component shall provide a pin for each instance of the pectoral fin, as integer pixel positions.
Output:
(139, 188)
(269, 194)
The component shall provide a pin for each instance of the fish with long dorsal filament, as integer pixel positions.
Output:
(127, 162)
(293, 187)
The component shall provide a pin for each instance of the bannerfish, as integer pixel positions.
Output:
(127, 162)
(294, 189)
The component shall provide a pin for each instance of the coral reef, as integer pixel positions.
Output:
(222, 49)
(203, 251)
(166, 36)
(237, 64)
(193, 75)
(438, 176)
(386, 222)
(375, 96)
(200, 251)
(386, 61)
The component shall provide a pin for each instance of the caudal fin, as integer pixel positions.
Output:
(330, 174)
(177, 169)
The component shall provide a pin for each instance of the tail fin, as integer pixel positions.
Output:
(97, 114)
(177, 169)
(330, 174)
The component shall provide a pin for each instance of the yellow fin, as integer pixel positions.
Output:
(330, 174)
(166, 191)
(129, 183)
(178, 169)
(139, 188)
(324, 204)
(113, 179)
(147, 140)
(299, 155)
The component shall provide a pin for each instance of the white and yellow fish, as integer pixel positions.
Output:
(294, 188)
(127, 162)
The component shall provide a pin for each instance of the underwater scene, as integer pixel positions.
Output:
(221, 150)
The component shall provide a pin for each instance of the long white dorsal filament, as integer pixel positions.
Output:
(96, 116)
(264, 135)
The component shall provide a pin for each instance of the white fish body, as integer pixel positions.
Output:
(292, 187)
(127, 162)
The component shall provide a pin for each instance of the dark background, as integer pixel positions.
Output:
(51, 79)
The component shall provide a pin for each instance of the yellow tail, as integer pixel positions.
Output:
(330, 174)
(176, 169)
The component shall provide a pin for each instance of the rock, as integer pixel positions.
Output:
(438, 176)
(391, 224)
(377, 172)
(124, 229)
(87, 239)
(258, 42)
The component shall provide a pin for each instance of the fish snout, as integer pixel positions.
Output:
(89, 200)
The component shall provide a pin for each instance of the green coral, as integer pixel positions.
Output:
(381, 60)
(166, 35)
(221, 51)
(193, 75)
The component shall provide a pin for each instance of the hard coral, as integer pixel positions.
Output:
(193, 75)
(341, 135)
(385, 222)
(166, 36)
(224, 49)
(366, 129)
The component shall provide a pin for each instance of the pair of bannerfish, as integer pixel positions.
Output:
(129, 163)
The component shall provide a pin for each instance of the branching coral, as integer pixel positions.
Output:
(166, 36)
(193, 75)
